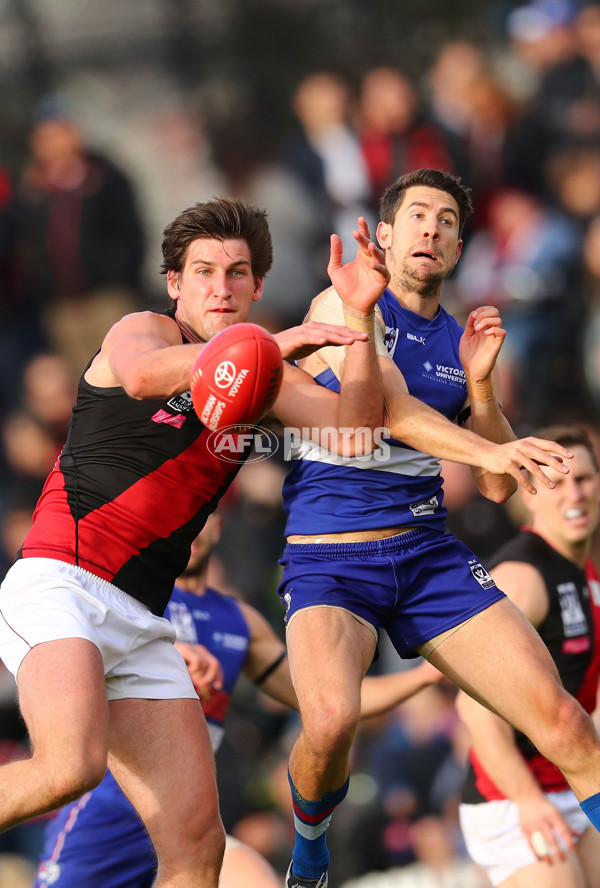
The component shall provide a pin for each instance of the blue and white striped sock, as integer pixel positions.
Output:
(311, 820)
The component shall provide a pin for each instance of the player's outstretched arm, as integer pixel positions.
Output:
(379, 693)
(424, 428)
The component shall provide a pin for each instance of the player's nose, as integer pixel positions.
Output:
(221, 284)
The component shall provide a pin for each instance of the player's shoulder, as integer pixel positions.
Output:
(146, 320)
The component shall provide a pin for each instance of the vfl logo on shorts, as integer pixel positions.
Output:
(49, 872)
(426, 507)
(481, 575)
(287, 600)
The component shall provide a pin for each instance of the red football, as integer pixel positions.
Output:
(236, 377)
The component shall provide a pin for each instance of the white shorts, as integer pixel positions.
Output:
(493, 835)
(46, 600)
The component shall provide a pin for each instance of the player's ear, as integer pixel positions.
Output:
(173, 284)
(258, 290)
(459, 247)
(384, 234)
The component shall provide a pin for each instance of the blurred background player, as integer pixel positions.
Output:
(518, 813)
(99, 841)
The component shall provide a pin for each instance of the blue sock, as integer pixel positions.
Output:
(591, 807)
(311, 819)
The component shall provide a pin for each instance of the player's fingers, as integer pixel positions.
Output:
(521, 478)
(377, 254)
(363, 227)
(543, 844)
(544, 457)
(485, 311)
(335, 253)
(550, 447)
(535, 469)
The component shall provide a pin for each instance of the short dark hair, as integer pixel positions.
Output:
(570, 436)
(221, 219)
(394, 195)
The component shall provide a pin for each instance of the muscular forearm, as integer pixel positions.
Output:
(361, 401)
(424, 428)
(488, 421)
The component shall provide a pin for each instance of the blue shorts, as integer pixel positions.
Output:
(414, 585)
(97, 842)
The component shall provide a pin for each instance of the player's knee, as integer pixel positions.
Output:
(568, 728)
(197, 846)
(73, 777)
(332, 727)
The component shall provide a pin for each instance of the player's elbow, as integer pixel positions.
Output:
(496, 489)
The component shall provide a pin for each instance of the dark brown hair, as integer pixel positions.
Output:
(221, 219)
(394, 195)
(569, 437)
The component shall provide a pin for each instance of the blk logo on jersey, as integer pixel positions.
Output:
(481, 575)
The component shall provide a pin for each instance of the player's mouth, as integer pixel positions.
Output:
(576, 515)
(425, 254)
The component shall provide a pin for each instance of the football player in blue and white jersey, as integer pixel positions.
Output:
(367, 548)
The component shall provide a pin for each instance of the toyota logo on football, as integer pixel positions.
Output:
(225, 374)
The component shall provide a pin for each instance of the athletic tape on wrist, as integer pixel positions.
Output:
(480, 389)
(361, 323)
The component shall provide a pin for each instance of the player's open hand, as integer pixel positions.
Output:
(299, 342)
(543, 825)
(359, 283)
(481, 341)
(204, 668)
(527, 455)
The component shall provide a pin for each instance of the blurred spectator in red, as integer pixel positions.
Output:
(80, 236)
(527, 262)
(395, 135)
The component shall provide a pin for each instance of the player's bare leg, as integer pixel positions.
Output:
(243, 866)
(63, 701)
(498, 658)
(329, 652)
(563, 874)
(160, 753)
(588, 852)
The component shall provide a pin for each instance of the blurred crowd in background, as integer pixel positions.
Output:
(127, 114)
